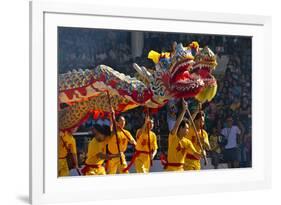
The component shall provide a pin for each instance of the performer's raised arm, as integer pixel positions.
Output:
(112, 115)
(180, 118)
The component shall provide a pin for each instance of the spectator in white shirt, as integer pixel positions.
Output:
(232, 152)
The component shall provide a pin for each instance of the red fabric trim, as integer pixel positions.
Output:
(165, 163)
(87, 167)
(106, 165)
(77, 124)
(121, 107)
(163, 159)
(87, 116)
(192, 157)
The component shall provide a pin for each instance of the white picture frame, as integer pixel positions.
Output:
(46, 187)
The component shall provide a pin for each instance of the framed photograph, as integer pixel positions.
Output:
(130, 102)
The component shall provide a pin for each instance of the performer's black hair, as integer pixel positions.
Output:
(103, 129)
(199, 115)
(183, 122)
(229, 116)
(151, 119)
(117, 118)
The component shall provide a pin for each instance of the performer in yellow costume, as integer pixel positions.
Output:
(192, 162)
(178, 144)
(146, 147)
(97, 151)
(124, 136)
(67, 145)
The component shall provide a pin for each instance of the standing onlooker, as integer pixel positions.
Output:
(247, 149)
(232, 152)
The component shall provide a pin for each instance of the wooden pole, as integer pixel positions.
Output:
(201, 127)
(78, 171)
(149, 147)
(197, 136)
(114, 127)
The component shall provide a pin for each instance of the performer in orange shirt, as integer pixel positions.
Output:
(97, 151)
(124, 136)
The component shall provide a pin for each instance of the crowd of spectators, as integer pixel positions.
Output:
(87, 48)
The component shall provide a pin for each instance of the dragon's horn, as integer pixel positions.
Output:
(142, 71)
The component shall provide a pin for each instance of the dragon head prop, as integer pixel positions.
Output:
(205, 63)
(185, 73)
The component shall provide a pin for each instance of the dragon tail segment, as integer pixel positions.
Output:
(80, 85)
(76, 85)
(74, 115)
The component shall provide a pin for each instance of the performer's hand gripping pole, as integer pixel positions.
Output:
(197, 136)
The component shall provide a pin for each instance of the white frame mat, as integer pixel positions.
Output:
(46, 187)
